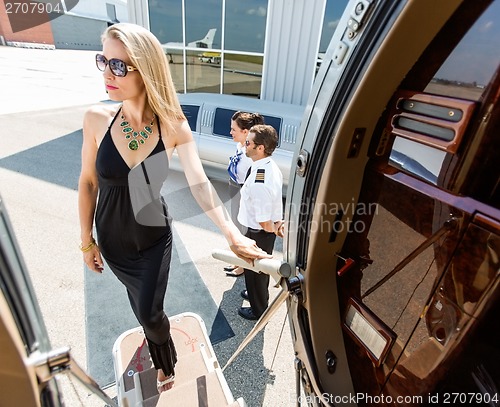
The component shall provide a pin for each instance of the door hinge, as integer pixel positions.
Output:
(48, 365)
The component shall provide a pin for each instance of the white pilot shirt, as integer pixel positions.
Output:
(261, 194)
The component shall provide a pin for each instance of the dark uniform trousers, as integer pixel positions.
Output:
(258, 283)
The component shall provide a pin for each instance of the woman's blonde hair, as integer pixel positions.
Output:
(146, 54)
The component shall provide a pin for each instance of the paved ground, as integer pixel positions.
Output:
(43, 97)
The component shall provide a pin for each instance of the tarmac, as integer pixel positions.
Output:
(43, 96)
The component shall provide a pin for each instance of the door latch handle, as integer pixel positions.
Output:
(348, 263)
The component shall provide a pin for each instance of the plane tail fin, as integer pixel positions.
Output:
(209, 38)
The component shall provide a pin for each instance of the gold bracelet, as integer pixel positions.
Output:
(88, 247)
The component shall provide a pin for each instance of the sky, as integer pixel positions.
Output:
(477, 56)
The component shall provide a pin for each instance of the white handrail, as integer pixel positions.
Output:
(275, 268)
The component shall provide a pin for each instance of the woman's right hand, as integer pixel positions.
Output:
(247, 249)
(93, 259)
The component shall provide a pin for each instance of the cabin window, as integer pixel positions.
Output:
(473, 62)
(191, 113)
(222, 122)
(429, 127)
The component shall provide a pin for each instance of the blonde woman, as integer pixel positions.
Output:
(125, 153)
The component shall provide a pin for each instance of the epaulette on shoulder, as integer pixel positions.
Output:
(259, 177)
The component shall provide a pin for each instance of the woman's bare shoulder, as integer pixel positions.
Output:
(97, 119)
(178, 133)
(182, 129)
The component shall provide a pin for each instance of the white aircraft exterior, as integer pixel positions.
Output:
(171, 48)
(209, 116)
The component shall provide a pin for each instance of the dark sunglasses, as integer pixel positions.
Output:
(247, 143)
(117, 66)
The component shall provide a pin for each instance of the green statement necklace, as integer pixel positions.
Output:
(136, 138)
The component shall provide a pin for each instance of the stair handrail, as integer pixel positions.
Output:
(277, 269)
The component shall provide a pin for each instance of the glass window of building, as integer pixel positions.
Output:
(203, 23)
(204, 56)
(245, 25)
(217, 46)
(165, 21)
(245, 33)
(203, 75)
(203, 45)
(242, 74)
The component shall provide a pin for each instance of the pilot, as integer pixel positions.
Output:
(261, 211)
(241, 123)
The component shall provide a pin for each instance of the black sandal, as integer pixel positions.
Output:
(233, 273)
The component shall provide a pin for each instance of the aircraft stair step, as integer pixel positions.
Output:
(197, 367)
(206, 390)
(188, 367)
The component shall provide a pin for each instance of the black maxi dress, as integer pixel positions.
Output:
(135, 238)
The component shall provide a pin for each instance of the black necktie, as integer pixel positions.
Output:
(248, 172)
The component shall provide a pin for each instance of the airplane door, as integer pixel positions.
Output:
(22, 332)
(29, 364)
(425, 238)
(394, 211)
